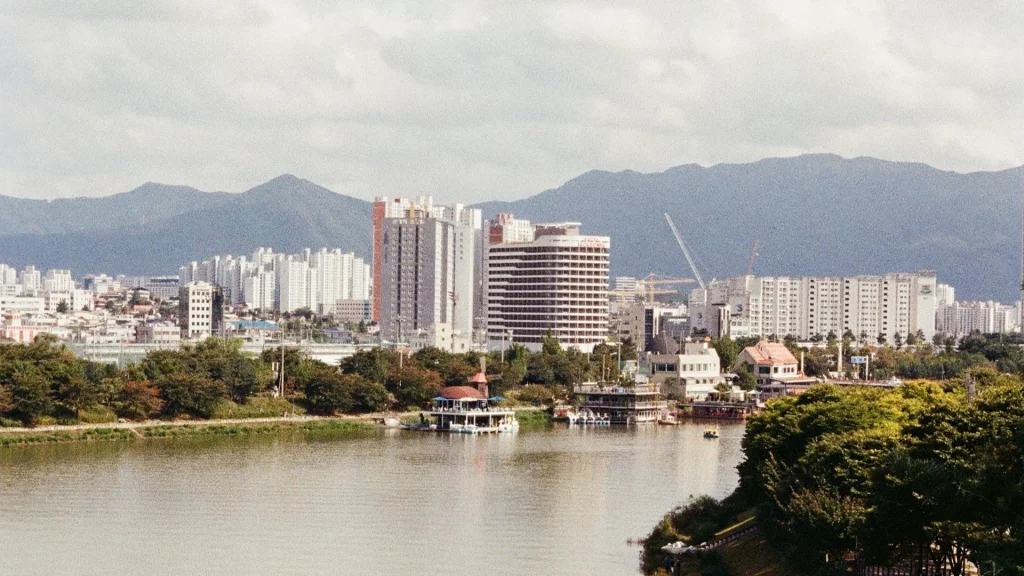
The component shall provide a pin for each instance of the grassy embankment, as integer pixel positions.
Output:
(533, 419)
(184, 430)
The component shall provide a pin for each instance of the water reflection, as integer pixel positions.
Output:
(562, 501)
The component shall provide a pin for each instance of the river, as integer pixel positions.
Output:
(561, 501)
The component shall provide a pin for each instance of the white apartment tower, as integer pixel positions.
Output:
(292, 283)
(553, 280)
(30, 280)
(866, 306)
(58, 281)
(196, 310)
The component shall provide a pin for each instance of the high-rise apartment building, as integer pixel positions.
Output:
(962, 318)
(384, 208)
(292, 283)
(31, 280)
(417, 284)
(317, 280)
(552, 280)
(426, 270)
(866, 306)
(58, 281)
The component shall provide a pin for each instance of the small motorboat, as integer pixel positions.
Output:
(667, 419)
(711, 433)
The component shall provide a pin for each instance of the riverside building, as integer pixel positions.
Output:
(546, 279)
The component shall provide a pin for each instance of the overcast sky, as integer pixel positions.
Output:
(479, 100)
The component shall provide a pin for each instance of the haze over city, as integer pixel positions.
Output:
(713, 288)
(477, 101)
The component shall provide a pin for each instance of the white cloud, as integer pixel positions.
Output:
(479, 100)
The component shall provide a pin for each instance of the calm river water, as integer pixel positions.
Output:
(562, 501)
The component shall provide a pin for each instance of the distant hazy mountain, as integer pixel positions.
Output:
(144, 205)
(156, 228)
(813, 214)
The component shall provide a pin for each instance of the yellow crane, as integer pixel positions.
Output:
(647, 285)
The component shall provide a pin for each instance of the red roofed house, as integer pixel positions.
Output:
(777, 371)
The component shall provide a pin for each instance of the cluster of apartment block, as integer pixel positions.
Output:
(808, 306)
(31, 291)
(961, 318)
(324, 281)
(443, 277)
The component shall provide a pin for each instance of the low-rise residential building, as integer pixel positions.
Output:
(353, 310)
(157, 333)
(691, 372)
(73, 300)
(24, 304)
(777, 371)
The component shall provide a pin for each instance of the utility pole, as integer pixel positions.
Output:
(281, 371)
(398, 345)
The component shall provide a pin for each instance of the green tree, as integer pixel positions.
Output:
(30, 397)
(190, 394)
(728, 350)
(329, 392)
(534, 394)
(369, 396)
(629, 350)
(550, 345)
(745, 379)
(413, 386)
(62, 307)
(77, 394)
(6, 404)
(374, 365)
(138, 400)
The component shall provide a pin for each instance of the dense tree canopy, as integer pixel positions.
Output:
(911, 474)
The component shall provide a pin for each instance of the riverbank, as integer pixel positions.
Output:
(529, 417)
(180, 429)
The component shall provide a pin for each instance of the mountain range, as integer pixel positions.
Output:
(815, 214)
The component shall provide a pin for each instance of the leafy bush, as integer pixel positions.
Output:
(534, 394)
(138, 400)
(190, 394)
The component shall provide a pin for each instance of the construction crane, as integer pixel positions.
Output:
(647, 285)
(753, 257)
(686, 251)
(630, 296)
